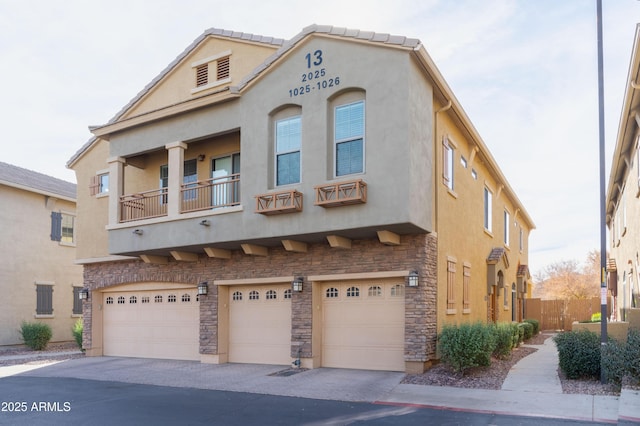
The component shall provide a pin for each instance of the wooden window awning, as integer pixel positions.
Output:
(279, 202)
(341, 193)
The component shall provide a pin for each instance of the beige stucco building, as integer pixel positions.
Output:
(38, 275)
(329, 190)
(622, 204)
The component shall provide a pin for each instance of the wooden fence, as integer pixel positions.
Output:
(560, 314)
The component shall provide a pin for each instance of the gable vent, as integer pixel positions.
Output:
(202, 75)
(223, 68)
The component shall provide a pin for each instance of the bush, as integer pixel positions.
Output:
(632, 355)
(579, 354)
(520, 333)
(536, 325)
(503, 335)
(515, 336)
(36, 335)
(527, 329)
(466, 346)
(613, 361)
(77, 329)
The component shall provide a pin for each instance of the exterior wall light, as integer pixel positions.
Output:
(205, 222)
(203, 288)
(137, 231)
(297, 284)
(84, 294)
(413, 279)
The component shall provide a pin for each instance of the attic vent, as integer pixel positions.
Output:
(223, 68)
(202, 75)
(205, 68)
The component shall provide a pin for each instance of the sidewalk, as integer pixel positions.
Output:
(532, 387)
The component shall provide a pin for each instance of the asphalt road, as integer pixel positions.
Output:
(64, 401)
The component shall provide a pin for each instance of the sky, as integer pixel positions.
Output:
(525, 72)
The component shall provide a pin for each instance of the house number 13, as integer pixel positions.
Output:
(317, 58)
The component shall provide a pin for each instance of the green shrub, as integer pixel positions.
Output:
(36, 335)
(466, 346)
(503, 335)
(520, 333)
(632, 355)
(527, 328)
(77, 329)
(536, 325)
(515, 336)
(613, 361)
(579, 354)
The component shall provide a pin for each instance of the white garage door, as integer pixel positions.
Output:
(260, 324)
(363, 325)
(152, 324)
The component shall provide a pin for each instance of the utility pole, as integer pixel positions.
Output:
(603, 225)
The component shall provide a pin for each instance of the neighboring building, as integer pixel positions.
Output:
(622, 203)
(39, 279)
(339, 160)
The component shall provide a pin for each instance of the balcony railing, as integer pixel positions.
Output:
(341, 193)
(202, 195)
(211, 193)
(279, 202)
(143, 205)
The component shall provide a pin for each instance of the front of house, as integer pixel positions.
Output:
(322, 200)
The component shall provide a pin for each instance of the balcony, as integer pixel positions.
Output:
(341, 193)
(143, 205)
(210, 194)
(196, 196)
(279, 202)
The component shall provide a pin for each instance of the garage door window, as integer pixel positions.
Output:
(271, 295)
(287, 294)
(254, 295)
(121, 300)
(353, 292)
(397, 290)
(375, 291)
(144, 299)
(133, 299)
(332, 293)
(158, 299)
(109, 300)
(186, 298)
(237, 296)
(171, 298)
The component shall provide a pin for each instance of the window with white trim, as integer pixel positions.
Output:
(448, 162)
(353, 292)
(133, 299)
(271, 295)
(186, 297)
(254, 295)
(62, 227)
(349, 138)
(288, 141)
(506, 216)
(99, 183)
(331, 293)
(171, 298)
(397, 290)
(287, 293)
(375, 290)
(109, 300)
(488, 196)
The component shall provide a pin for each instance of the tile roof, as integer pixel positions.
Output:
(523, 271)
(17, 176)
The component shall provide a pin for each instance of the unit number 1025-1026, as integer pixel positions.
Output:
(315, 79)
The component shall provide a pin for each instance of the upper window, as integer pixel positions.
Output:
(212, 71)
(288, 138)
(447, 158)
(44, 299)
(99, 184)
(349, 138)
(506, 228)
(62, 227)
(487, 209)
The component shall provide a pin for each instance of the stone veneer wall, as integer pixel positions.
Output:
(415, 252)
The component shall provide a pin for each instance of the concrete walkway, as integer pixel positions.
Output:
(532, 387)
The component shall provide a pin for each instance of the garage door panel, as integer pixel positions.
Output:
(260, 329)
(363, 326)
(152, 329)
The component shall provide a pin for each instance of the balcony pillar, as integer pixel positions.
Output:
(116, 187)
(176, 171)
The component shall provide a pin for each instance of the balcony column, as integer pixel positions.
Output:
(116, 188)
(176, 171)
